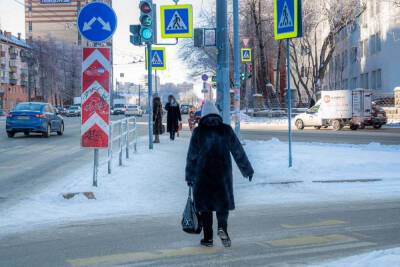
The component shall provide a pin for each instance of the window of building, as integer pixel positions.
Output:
(378, 42)
(379, 79)
(30, 26)
(353, 54)
(353, 83)
(373, 80)
(345, 58)
(345, 84)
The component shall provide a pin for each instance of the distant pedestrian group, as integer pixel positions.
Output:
(174, 118)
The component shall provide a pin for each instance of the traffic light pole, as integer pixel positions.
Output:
(150, 95)
(236, 64)
(223, 94)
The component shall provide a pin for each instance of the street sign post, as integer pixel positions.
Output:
(97, 22)
(287, 25)
(176, 21)
(246, 54)
(158, 58)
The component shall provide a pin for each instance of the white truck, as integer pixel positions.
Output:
(338, 108)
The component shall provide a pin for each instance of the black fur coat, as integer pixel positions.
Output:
(209, 165)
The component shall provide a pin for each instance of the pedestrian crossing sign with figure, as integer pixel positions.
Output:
(287, 19)
(176, 21)
(246, 54)
(158, 58)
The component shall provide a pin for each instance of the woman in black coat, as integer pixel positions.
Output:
(209, 171)
(173, 116)
(157, 118)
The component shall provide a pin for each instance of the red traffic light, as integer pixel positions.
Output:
(145, 7)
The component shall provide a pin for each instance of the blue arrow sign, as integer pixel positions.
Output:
(97, 22)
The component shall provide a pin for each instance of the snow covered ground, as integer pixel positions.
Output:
(152, 182)
(380, 258)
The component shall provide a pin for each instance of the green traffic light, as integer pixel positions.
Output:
(146, 33)
(146, 20)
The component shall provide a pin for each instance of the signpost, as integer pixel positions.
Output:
(288, 24)
(158, 58)
(176, 21)
(96, 22)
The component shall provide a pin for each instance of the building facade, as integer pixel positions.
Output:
(55, 18)
(367, 52)
(14, 72)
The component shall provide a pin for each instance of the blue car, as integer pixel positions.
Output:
(34, 117)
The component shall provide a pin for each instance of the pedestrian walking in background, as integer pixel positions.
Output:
(157, 119)
(209, 171)
(173, 116)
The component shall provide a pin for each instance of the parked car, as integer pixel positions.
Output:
(118, 109)
(73, 111)
(61, 110)
(377, 119)
(185, 108)
(34, 117)
(133, 110)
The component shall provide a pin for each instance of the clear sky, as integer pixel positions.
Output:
(12, 19)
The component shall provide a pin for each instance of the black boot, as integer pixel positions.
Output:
(223, 234)
(206, 242)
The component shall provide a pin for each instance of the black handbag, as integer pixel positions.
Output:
(190, 218)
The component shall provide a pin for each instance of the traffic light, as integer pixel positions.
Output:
(135, 37)
(242, 76)
(146, 21)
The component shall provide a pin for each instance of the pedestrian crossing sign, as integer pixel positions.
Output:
(246, 54)
(176, 21)
(287, 19)
(158, 58)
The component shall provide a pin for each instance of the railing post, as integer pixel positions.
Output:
(135, 136)
(110, 143)
(120, 142)
(127, 139)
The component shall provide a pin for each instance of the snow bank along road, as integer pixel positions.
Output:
(135, 219)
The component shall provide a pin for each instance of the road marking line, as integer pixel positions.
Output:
(142, 256)
(303, 251)
(311, 240)
(311, 225)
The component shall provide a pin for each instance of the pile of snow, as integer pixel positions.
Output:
(246, 119)
(383, 258)
(152, 182)
(393, 123)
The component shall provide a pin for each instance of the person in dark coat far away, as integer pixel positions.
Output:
(209, 171)
(173, 116)
(157, 118)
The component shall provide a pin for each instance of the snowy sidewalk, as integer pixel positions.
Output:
(152, 182)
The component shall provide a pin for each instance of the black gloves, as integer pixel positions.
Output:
(250, 177)
(190, 183)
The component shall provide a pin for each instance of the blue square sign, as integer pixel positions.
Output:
(287, 19)
(176, 21)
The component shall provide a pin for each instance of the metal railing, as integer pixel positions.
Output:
(124, 133)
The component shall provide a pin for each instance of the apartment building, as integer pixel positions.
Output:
(55, 18)
(367, 53)
(13, 70)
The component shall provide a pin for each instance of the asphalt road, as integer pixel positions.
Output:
(261, 236)
(386, 136)
(29, 163)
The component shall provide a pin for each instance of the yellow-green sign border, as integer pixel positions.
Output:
(164, 67)
(176, 35)
(241, 55)
(287, 35)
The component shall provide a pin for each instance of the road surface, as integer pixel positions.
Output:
(261, 236)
